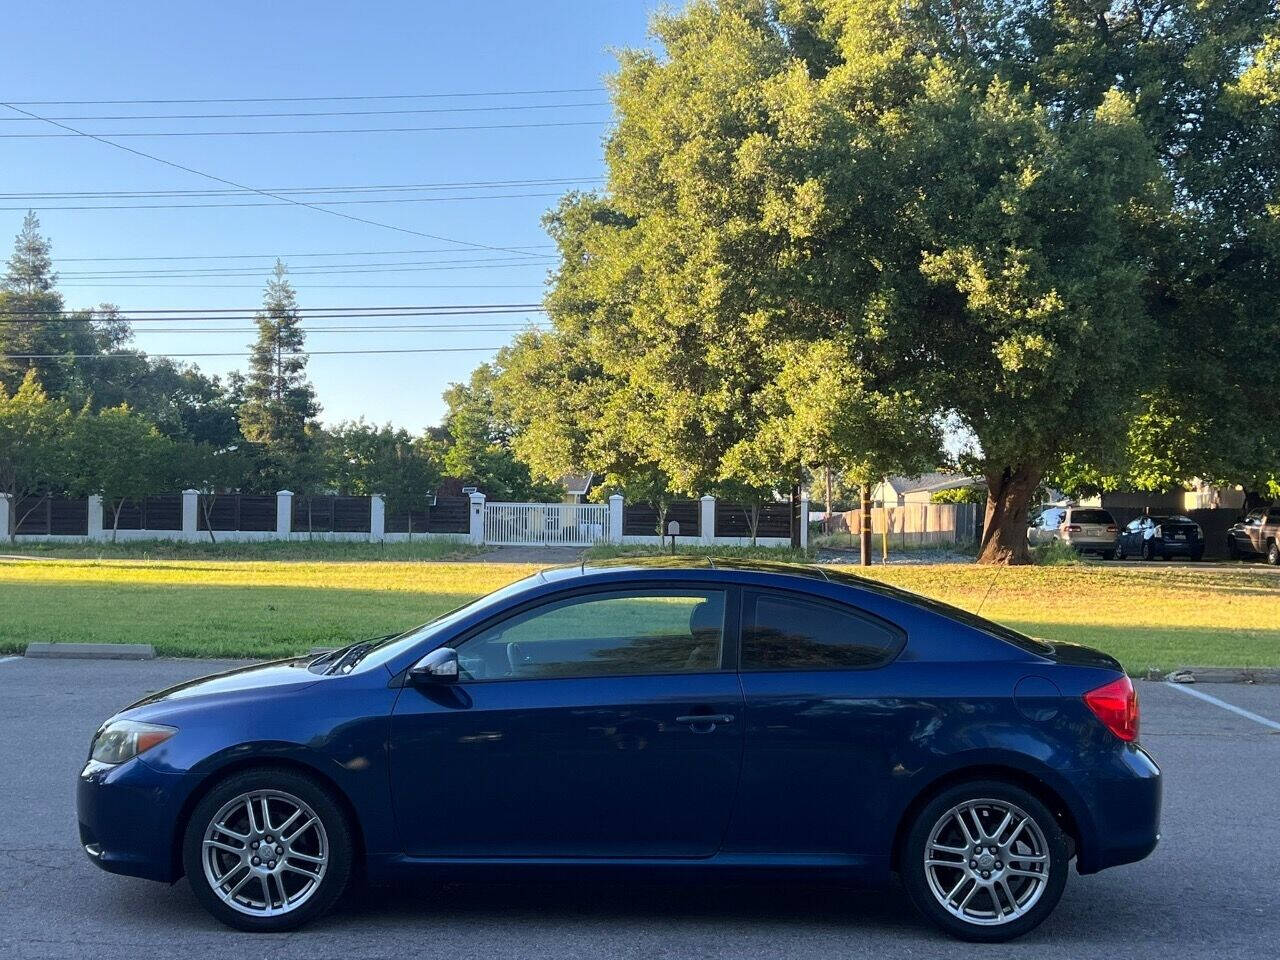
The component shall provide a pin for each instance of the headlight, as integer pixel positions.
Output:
(123, 740)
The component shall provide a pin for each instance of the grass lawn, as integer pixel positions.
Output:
(1165, 616)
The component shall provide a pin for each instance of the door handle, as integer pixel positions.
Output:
(705, 719)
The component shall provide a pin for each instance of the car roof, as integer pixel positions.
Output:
(710, 564)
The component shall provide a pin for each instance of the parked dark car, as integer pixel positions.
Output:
(1161, 537)
(1256, 535)
(702, 718)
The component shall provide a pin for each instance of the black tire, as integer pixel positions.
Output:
(1148, 551)
(916, 877)
(1233, 548)
(1273, 553)
(1108, 554)
(1197, 556)
(1119, 550)
(336, 834)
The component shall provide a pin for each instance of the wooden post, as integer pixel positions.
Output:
(796, 519)
(866, 524)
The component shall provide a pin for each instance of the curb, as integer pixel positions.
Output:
(1216, 675)
(91, 651)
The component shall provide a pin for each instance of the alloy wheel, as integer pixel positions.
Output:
(265, 853)
(987, 862)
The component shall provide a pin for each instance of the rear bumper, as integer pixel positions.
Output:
(1125, 802)
(1180, 548)
(128, 814)
(1090, 544)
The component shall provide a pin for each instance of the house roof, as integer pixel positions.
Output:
(932, 482)
(577, 483)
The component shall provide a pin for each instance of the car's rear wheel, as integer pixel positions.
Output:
(985, 861)
(1108, 554)
(1273, 554)
(267, 850)
(1233, 548)
(1148, 551)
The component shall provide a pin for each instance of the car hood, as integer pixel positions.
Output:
(258, 676)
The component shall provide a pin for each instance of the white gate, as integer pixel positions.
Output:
(545, 524)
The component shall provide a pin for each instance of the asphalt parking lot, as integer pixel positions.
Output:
(1211, 889)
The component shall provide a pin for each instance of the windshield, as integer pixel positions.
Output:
(391, 647)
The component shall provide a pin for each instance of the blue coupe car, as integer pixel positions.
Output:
(700, 717)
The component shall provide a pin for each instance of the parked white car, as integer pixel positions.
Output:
(1086, 529)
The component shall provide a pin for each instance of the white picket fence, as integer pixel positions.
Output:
(545, 524)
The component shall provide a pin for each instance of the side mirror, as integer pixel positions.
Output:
(438, 666)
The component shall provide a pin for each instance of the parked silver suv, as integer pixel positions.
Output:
(1086, 529)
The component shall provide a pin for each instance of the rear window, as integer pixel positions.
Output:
(1172, 518)
(1091, 516)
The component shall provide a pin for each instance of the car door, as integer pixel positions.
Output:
(822, 728)
(1133, 536)
(596, 724)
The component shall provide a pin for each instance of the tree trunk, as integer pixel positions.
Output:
(115, 518)
(206, 507)
(796, 519)
(753, 521)
(1004, 527)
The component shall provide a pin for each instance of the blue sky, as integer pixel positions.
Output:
(95, 51)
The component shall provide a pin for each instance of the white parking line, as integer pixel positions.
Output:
(7, 659)
(1238, 711)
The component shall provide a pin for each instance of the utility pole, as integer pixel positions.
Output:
(866, 524)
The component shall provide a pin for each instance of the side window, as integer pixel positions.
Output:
(782, 632)
(622, 633)
(1273, 515)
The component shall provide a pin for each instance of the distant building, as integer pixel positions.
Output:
(577, 486)
(899, 491)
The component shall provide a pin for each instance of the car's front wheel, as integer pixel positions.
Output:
(267, 850)
(985, 861)
(1273, 554)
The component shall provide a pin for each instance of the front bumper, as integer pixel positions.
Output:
(128, 816)
(1125, 802)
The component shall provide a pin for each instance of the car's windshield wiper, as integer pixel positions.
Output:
(346, 658)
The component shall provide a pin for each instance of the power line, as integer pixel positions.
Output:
(307, 269)
(393, 328)
(345, 188)
(327, 113)
(240, 186)
(384, 96)
(280, 133)
(287, 256)
(265, 203)
(183, 356)
(309, 286)
(461, 309)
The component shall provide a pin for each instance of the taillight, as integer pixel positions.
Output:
(1072, 528)
(1112, 529)
(1116, 705)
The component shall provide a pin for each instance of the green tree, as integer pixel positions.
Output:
(996, 209)
(121, 456)
(478, 440)
(34, 455)
(277, 415)
(212, 471)
(362, 459)
(35, 332)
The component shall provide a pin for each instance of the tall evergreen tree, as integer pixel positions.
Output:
(31, 314)
(279, 409)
